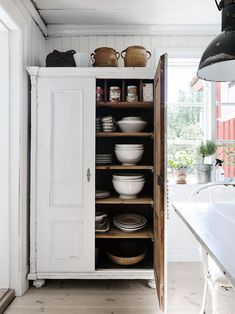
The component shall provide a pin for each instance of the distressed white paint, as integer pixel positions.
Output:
(27, 46)
(59, 256)
(4, 158)
(63, 149)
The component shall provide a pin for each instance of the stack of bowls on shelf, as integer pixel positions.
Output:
(103, 159)
(98, 125)
(132, 124)
(129, 154)
(128, 185)
(108, 124)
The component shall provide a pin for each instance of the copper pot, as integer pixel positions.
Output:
(136, 56)
(105, 57)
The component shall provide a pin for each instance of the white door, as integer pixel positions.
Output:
(65, 175)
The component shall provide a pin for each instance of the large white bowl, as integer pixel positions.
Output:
(130, 176)
(129, 157)
(129, 146)
(132, 118)
(128, 189)
(131, 125)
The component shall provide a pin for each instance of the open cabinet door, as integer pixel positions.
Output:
(159, 178)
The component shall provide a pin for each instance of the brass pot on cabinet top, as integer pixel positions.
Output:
(135, 56)
(105, 57)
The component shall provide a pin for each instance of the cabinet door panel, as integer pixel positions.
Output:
(159, 179)
(65, 198)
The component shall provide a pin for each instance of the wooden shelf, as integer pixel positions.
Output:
(120, 167)
(116, 200)
(124, 134)
(125, 104)
(114, 233)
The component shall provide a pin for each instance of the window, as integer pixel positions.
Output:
(225, 126)
(188, 100)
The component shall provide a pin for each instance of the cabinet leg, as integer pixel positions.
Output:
(152, 283)
(38, 283)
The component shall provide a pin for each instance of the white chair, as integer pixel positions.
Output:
(217, 287)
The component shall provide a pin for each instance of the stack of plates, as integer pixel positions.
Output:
(130, 222)
(102, 159)
(102, 194)
(98, 125)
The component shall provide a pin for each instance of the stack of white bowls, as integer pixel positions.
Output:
(129, 154)
(132, 124)
(128, 185)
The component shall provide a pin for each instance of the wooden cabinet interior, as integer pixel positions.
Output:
(105, 144)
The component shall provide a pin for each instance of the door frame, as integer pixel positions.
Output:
(15, 22)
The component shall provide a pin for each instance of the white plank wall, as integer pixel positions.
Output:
(33, 53)
(175, 46)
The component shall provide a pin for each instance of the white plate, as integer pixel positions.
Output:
(102, 194)
(130, 227)
(129, 219)
(131, 230)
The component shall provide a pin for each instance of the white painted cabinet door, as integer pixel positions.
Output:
(65, 175)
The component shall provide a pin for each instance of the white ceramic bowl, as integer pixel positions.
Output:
(131, 126)
(129, 156)
(128, 189)
(129, 146)
(131, 118)
(124, 177)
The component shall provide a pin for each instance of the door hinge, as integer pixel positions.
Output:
(160, 180)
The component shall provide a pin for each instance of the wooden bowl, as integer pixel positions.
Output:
(126, 260)
(127, 252)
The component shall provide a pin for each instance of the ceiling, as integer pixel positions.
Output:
(129, 12)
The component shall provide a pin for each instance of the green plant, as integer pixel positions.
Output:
(181, 160)
(206, 149)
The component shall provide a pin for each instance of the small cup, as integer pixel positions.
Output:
(109, 128)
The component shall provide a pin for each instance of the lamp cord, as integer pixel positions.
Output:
(220, 6)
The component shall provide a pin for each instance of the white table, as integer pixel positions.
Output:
(213, 225)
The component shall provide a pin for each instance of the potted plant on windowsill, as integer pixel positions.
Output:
(203, 170)
(179, 164)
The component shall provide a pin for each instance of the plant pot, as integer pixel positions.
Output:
(203, 172)
(180, 176)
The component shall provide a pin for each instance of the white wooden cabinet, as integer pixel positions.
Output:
(63, 170)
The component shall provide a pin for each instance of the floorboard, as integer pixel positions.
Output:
(185, 288)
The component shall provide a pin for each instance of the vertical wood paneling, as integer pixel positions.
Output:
(57, 44)
(84, 44)
(101, 41)
(157, 45)
(75, 43)
(119, 47)
(66, 43)
(147, 43)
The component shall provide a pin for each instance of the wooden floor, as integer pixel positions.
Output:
(185, 284)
